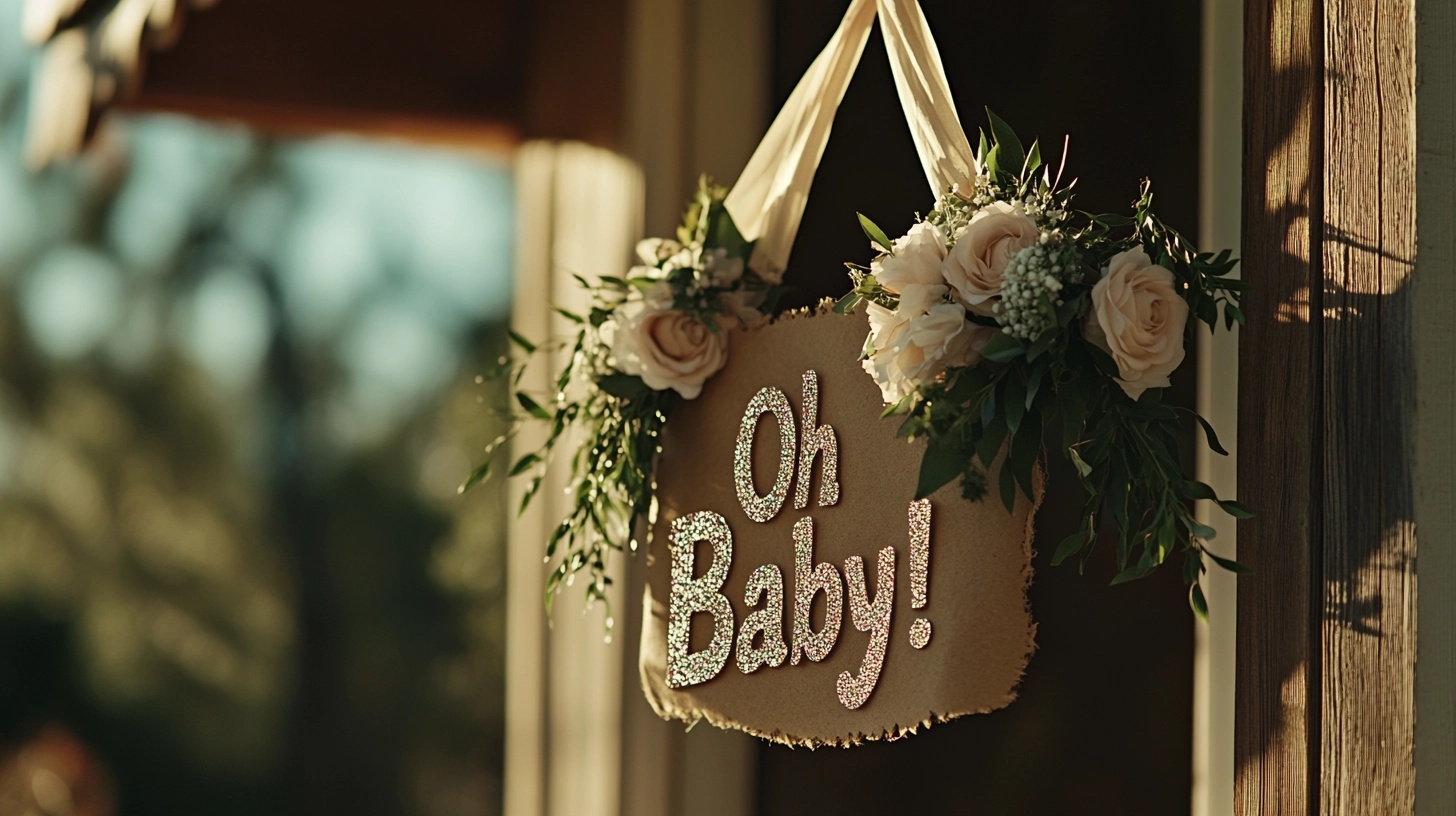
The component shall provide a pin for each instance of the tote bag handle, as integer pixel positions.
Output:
(767, 203)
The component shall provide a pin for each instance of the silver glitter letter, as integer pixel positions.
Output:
(920, 570)
(687, 597)
(868, 617)
(768, 582)
(809, 580)
(762, 508)
(816, 438)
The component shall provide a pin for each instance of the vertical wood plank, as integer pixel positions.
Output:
(1277, 364)
(1368, 629)
(1327, 625)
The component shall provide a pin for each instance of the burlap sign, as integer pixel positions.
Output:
(976, 562)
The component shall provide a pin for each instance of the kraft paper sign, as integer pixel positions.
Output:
(816, 602)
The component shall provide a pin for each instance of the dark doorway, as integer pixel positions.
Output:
(1104, 719)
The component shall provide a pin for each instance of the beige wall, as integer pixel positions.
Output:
(1434, 283)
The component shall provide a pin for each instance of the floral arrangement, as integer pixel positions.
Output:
(1003, 313)
(650, 339)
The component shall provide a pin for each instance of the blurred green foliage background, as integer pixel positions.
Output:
(237, 394)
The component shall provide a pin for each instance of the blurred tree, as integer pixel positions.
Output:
(235, 402)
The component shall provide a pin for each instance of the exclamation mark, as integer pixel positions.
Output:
(920, 570)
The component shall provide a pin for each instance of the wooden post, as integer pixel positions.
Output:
(1327, 624)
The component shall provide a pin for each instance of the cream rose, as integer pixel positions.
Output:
(653, 251)
(1138, 318)
(916, 260)
(667, 348)
(911, 349)
(983, 248)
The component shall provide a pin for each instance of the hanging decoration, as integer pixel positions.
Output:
(825, 563)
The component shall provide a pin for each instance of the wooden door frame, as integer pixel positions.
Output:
(1345, 394)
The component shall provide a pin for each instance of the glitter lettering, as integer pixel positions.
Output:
(688, 596)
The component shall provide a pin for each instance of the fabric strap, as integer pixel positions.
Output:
(767, 203)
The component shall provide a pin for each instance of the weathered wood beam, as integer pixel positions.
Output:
(1327, 624)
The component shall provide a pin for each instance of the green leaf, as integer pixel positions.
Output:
(476, 476)
(1070, 546)
(944, 460)
(724, 234)
(524, 463)
(1003, 348)
(1013, 398)
(846, 304)
(1198, 490)
(525, 345)
(875, 234)
(1034, 379)
(1041, 344)
(1197, 601)
(1235, 509)
(572, 316)
(1208, 432)
(988, 407)
(993, 161)
(1112, 220)
(1207, 311)
(529, 495)
(982, 148)
(1201, 530)
(1025, 448)
(1008, 488)
(1033, 158)
(1013, 155)
(1083, 469)
(1192, 565)
(532, 407)
(1229, 564)
(1068, 310)
(992, 437)
(624, 386)
(907, 428)
(1132, 574)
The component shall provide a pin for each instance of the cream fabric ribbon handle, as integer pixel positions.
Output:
(768, 201)
(944, 150)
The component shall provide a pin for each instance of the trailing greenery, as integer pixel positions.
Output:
(605, 418)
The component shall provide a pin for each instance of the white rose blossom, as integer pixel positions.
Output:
(916, 260)
(667, 348)
(1138, 318)
(916, 342)
(653, 251)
